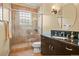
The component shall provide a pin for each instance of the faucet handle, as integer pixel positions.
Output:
(62, 33)
(67, 36)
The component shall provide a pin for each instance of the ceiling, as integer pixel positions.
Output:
(37, 5)
(32, 5)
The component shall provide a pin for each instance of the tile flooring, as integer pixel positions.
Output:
(21, 50)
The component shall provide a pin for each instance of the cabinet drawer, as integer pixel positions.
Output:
(75, 50)
(44, 39)
(57, 43)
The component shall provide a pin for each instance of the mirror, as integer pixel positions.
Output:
(67, 17)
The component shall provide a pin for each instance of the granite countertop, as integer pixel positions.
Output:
(62, 39)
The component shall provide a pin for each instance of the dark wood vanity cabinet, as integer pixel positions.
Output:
(75, 50)
(58, 47)
(45, 47)
(50, 46)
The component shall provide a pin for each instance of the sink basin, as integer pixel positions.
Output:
(57, 37)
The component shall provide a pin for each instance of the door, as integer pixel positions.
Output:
(4, 40)
(4, 32)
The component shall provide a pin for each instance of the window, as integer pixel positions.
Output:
(25, 17)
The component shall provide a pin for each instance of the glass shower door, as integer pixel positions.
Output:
(25, 26)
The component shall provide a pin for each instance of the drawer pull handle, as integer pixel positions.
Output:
(68, 49)
(52, 47)
(49, 46)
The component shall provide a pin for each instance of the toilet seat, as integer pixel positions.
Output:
(36, 47)
(36, 44)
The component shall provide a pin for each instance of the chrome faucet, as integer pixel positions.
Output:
(62, 33)
(72, 37)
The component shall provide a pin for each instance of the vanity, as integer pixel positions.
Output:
(60, 42)
(64, 40)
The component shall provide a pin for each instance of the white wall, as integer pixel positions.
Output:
(50, 21)
(4, 42)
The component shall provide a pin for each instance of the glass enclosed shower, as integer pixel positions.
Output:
(26, 26)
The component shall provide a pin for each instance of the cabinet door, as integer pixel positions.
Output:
(45, 49)
(69, 49)
(45, 46)
(75, 50)
(58, 48)
(51, 47)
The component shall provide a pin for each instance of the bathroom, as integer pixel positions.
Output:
(23, 24)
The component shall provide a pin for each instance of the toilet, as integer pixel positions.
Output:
(36, 47)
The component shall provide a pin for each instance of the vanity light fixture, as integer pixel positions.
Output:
(55, 9)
